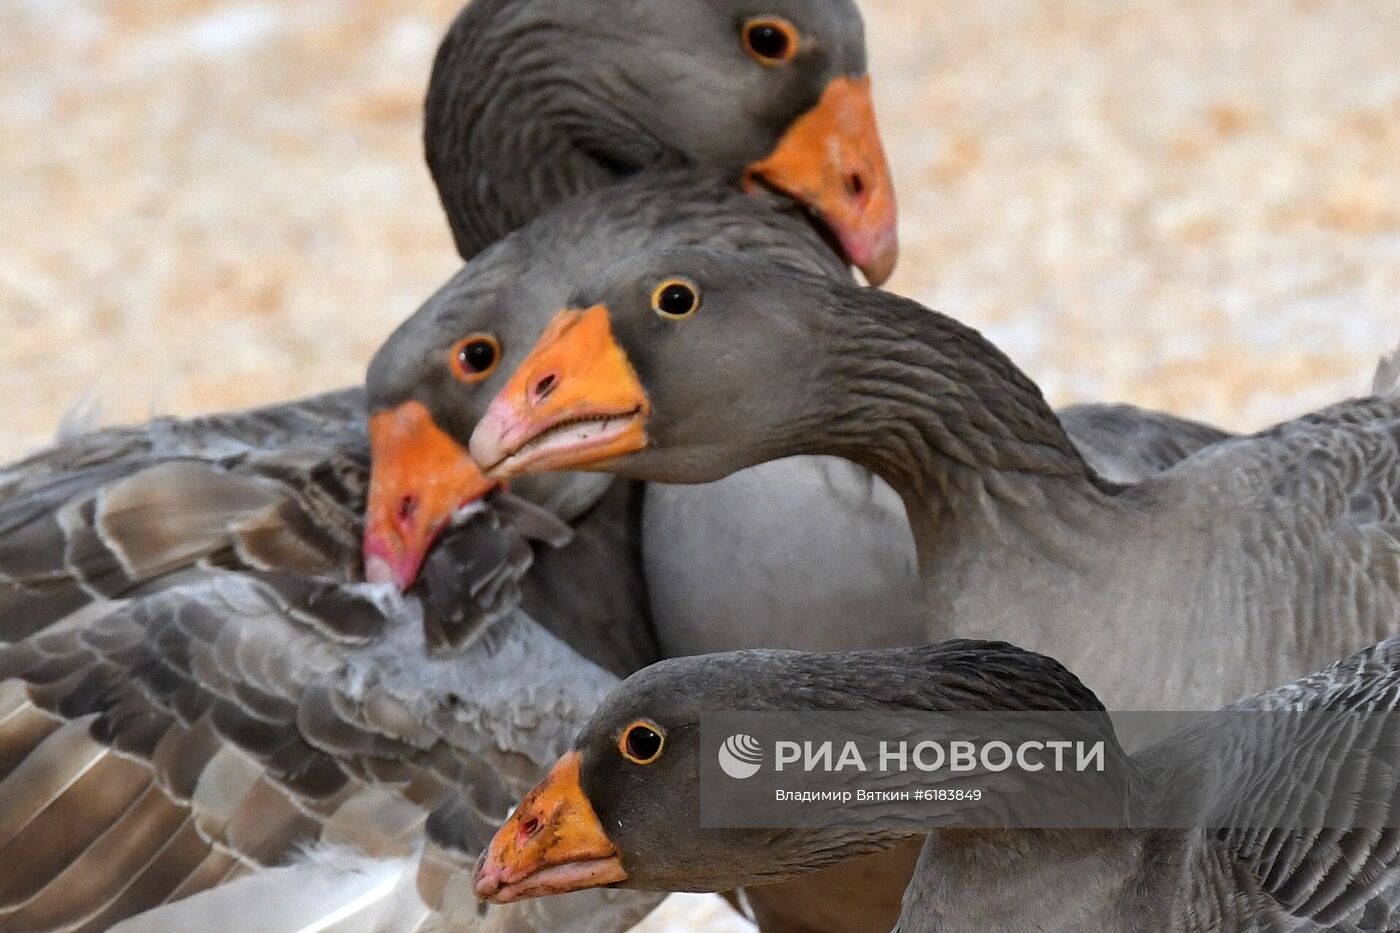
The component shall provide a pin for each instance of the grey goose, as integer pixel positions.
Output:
(1248, 564)
(607, 816)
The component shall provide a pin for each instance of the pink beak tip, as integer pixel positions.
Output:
(379, 570)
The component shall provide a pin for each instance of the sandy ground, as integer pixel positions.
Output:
(1192, 205)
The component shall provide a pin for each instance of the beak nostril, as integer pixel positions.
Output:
(408, 507)
(544, 387)
(529, 827)
(855, 185)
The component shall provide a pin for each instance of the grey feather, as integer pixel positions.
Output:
(1387, 378)
(1235, 880)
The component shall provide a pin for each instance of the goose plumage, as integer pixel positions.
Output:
(209, 691)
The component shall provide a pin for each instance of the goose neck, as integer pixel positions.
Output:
(512, 128)
(943, 416)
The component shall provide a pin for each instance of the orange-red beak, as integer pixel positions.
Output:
(419, 476)
(574, 403)
(552, 844)
(832, 160)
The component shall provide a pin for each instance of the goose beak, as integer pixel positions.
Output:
(552, 844)
(831, 159)
(419, 477)
(574, 403)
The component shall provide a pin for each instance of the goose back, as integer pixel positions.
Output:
(1251, 562)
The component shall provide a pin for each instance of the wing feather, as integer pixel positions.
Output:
(1331, 876)
(194, 685)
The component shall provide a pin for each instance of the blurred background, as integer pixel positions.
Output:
(1193, 205)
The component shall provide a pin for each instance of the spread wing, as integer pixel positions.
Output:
(194, 685)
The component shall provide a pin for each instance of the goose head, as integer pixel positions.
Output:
(678, 366)
(684, 365)
(532, 102)
(432, 380)
(621, 807)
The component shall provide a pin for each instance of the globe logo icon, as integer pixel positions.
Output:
(740, 756)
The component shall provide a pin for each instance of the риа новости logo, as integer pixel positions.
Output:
(740, 756)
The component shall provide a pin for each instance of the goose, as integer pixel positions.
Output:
(1247, 564)
(620, 808)
(534, 102)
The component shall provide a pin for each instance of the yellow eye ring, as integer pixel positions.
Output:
(771, 40)
(642, 742)
(676, 299)
(475, 358)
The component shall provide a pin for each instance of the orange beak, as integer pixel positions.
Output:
(552, 844)
(832, 160)
(574, 403)
(419, 477)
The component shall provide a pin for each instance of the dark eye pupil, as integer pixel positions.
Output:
(677, 299)
(768, 40)
(478, 356)
(642, 743)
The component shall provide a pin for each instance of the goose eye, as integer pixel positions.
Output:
(642, 743)
(676, 299)
(770, 40)
(475, 358)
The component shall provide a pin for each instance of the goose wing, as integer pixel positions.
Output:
(194, 687)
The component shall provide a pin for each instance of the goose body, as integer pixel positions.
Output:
(1220, 878)
(818, 553)
(1251, 562)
